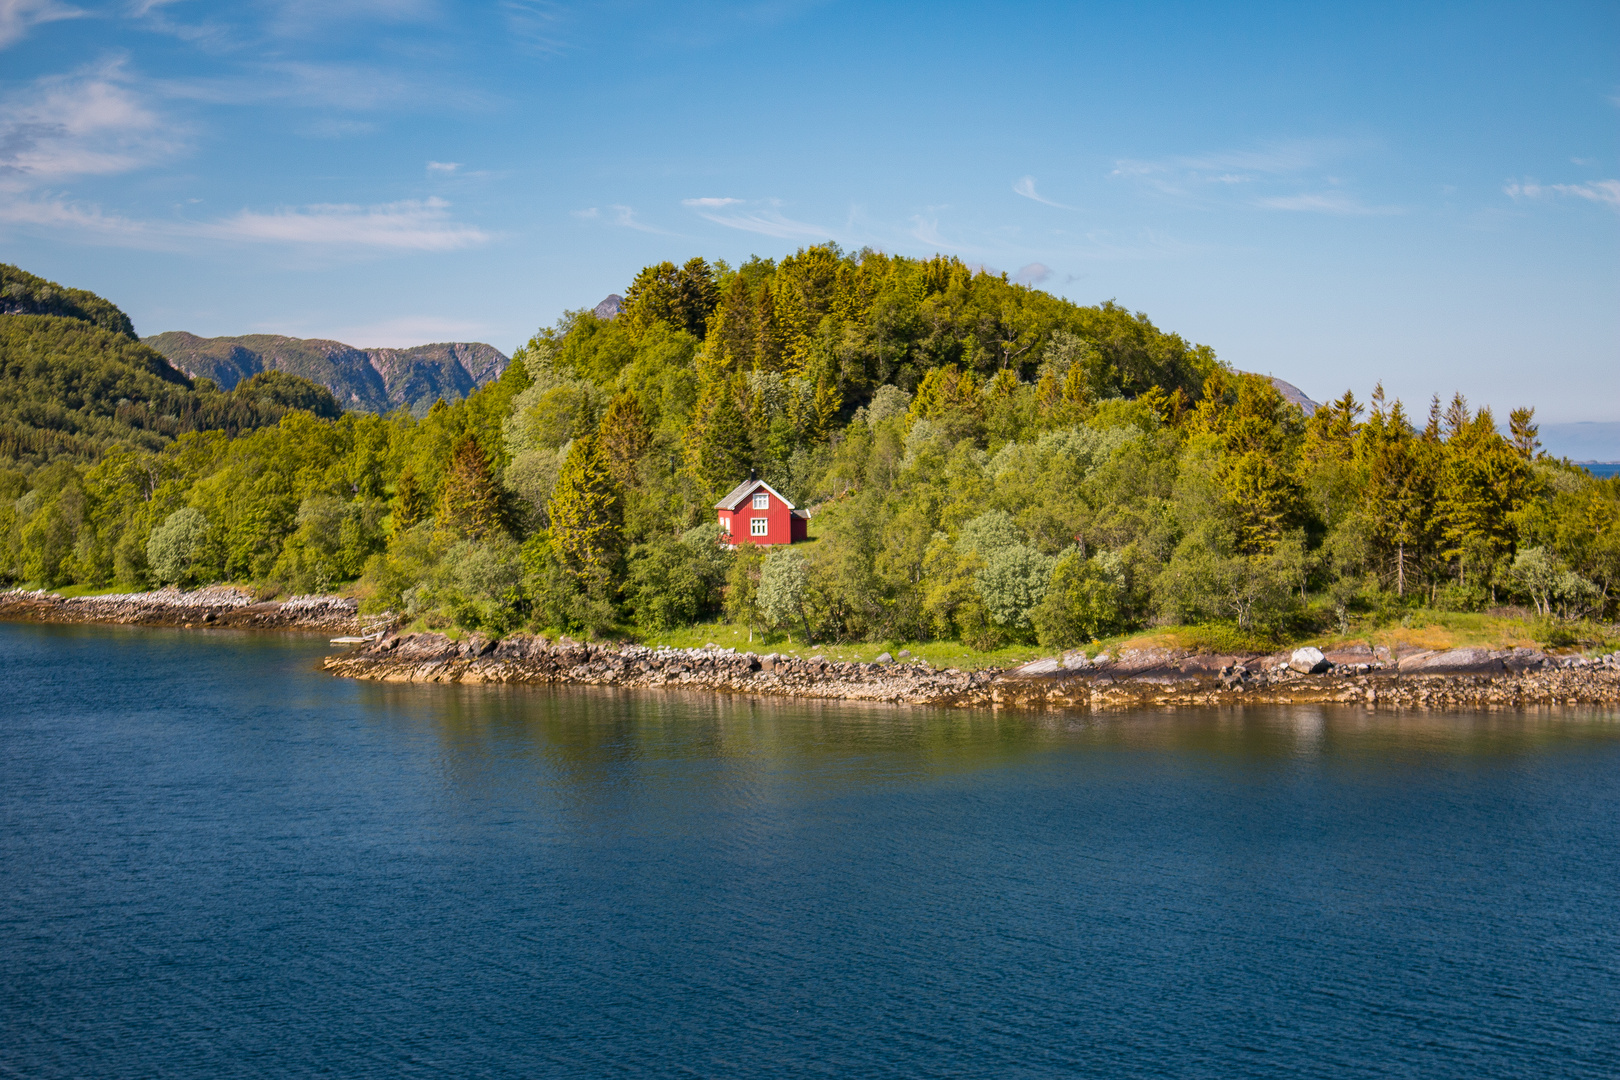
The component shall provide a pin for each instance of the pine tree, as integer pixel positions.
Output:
(695, 297)
(718, 451)
(1521, 422)
(625, 436)
(470, 503)
(409, 502)
(768, 344)
(731, 346)
(1482, 482)
(585, 510)
(1399, 494)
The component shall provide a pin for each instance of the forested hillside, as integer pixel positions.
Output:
(21, 293)
(77, 382)
(983, 461)
(372, 380)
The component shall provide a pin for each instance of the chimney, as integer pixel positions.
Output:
(753, 474)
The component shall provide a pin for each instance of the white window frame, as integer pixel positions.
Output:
(762, 501)
(726, 521)
(759, 526)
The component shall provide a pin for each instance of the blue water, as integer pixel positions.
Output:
(1603, 468)
(216, 861)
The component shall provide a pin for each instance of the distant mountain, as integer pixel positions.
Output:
(1294, 395)
(371, 380)
(610, 307)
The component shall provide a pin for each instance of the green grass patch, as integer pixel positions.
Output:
(943, 654)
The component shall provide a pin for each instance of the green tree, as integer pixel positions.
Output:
(174, 546)
(783, 582)
(1085, 600)
(469, 501)
(718, 451)
(585, 510)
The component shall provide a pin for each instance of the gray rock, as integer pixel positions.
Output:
(904, 653)
(885, 658)
(1452, 662)
(1075, 661)
(1039, 667)
(1309, 661)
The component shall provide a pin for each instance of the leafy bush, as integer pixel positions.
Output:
(174, 546)
(1084, 601)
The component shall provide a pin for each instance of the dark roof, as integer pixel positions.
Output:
(745, 489)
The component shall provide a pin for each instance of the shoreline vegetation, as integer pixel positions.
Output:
(993, 475)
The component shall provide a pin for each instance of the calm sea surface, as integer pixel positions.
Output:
(216, 861)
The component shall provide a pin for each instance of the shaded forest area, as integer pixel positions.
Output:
(984, 463)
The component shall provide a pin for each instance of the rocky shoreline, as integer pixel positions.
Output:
(1459, 678)
(214, 606)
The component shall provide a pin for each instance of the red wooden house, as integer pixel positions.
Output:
(756, 513)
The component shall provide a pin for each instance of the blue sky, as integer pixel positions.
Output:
(1335, 194)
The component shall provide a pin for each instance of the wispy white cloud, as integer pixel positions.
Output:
(1602, 192)
(443, 166)
(408, 225)
(1026, 188)
(91, 122)
(1327, 202)
(537, 25)
(621, 216)
(1288, 176)
(17, 17)
(304, 18)
(764, 218)
(927, 230)
(1033, 274)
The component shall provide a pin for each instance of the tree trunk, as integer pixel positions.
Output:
(1400, 569)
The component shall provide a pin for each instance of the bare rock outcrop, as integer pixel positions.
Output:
(212, 606)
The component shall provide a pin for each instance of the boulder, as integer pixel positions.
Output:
(1474, 661)
(1076, 661)
(1308, 661)
(885, 658)
(1047, 666)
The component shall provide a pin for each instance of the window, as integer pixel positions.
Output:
(762, 501)
(726, 521)
(759, 526)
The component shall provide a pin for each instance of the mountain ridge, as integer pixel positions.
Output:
(371, 380)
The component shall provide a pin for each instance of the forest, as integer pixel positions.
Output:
(983, 463)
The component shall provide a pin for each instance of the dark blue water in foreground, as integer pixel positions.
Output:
(217, 862)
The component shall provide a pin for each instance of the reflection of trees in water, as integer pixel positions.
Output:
(601, 739)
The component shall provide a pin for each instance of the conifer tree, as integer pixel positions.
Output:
(768, 343)
(409, 501)
(718, 451)
(585, 510)
(1482, 482)
(731, 345)
(625, 436)
(1399, 492)
(1521, 422)
(470, 503)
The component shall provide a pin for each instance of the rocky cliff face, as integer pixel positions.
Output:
(369, 380)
